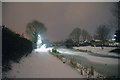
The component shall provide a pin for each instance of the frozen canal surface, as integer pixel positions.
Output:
(106, 65)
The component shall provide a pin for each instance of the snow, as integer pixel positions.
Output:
(106, 66)
(89, 57)
(42, 65)
(102, 60)
(98, 50)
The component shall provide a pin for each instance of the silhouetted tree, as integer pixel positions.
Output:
(116, 13)
(75, 35)
(119, 15)
(85, 35)
(102, 33)
(69, 43)
(33, 29)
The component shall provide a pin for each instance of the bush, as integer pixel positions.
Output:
(13, 47)
(54, 50)
(69, 43)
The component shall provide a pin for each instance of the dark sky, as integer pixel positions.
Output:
(0, 13)
(59, 18)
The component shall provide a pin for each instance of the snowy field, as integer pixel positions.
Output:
(98, 50)
(42, 65)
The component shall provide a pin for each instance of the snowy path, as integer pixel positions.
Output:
(42, 65)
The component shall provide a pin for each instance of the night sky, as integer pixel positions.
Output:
(59, 18)
(0, 13)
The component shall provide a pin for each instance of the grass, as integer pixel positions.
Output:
(73, 63)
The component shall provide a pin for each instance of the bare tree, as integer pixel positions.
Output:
(75, 35)
(33, 29)
(102, 33)
(116, 13)
(85, 35)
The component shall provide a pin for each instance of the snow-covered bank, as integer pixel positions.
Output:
(42, 65)
(99, 50)
(106, 66)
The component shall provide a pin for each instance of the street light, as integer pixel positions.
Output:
(39, 41)
(114, 35)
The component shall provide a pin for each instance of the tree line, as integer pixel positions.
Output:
(78, 34)
(102, 33)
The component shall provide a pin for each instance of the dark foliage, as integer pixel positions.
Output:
(117, 37)
(85, 44)
(69, 43)
(54, 50)
(13, 47)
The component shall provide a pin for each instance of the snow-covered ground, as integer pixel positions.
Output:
(89, 57)
(98, 50)
(42, 65)
(107, 66)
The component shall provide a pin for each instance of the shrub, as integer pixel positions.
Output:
(69, 43)
(13, 46)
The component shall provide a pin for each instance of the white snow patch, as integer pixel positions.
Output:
(92, 58)
(98, 50)
(42, 65)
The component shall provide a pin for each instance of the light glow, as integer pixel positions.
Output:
(114, 35)
(39, 42)
(113, 39)
(40, 47)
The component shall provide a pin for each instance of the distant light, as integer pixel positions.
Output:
(39, 42)
(114, 35)
(38, 35)
(40, 47)
(113, 39)
(43, 46)
(43, 49)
